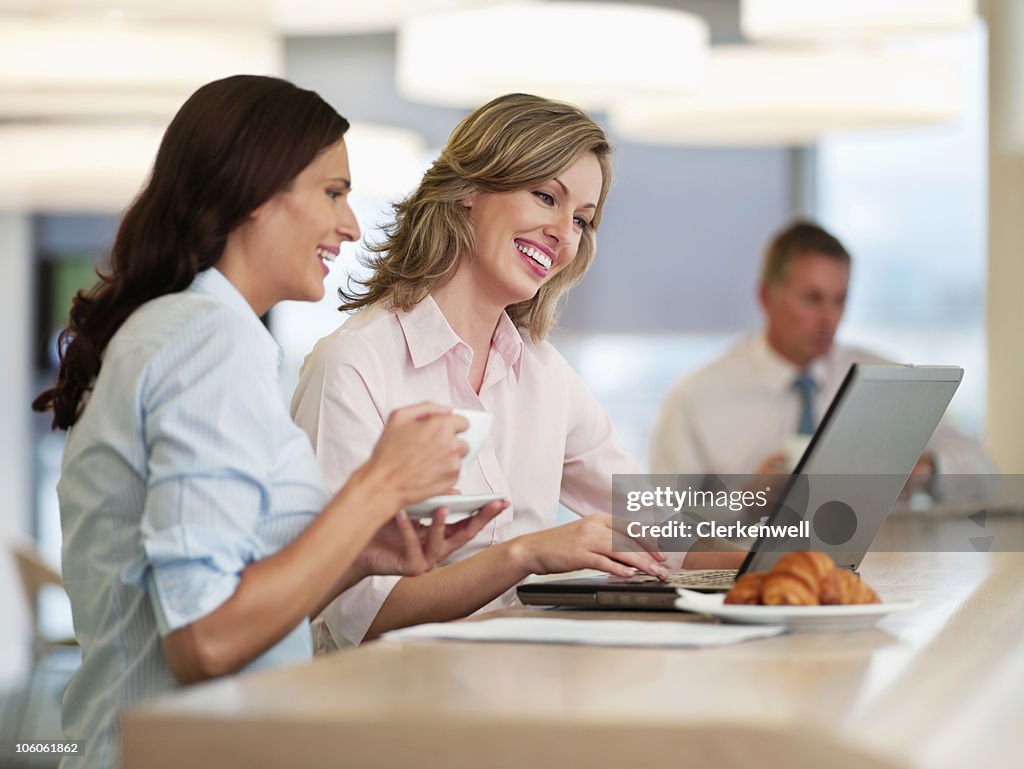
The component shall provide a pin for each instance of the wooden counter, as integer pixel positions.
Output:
(941, 686)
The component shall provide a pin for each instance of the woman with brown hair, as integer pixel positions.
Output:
(461, 295)
(198, 535)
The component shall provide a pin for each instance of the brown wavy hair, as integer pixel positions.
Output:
(232, 146)
(510, 143)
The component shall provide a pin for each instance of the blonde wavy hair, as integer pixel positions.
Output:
(510, 143)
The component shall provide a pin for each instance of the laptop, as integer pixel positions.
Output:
(857, 462)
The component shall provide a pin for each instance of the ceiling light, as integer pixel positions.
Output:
(804, 19)
(586, 53)
(73, 68)
(115, 11)
(331, 17)
(764, 96)
(74, 167)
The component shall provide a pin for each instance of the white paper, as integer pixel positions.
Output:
(694, 600)
(588, 632)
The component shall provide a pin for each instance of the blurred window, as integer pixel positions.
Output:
(911, 207)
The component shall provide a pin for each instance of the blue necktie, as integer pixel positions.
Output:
(806, 387)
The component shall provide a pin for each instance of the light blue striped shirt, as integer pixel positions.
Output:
(183, 468)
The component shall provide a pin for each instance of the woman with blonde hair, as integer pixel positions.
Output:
(462, 293)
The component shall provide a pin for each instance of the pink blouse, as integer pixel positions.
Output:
(550, 442)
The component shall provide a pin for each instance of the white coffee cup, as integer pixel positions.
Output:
(794, 447)
(474, 435)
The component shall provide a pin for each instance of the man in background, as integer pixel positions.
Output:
(753, 409)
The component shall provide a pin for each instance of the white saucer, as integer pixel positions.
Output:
(456, 503)
(796, 618)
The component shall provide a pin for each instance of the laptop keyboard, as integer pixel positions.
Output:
(688, 578)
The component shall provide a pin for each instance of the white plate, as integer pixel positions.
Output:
(456, 503)
(797, 618)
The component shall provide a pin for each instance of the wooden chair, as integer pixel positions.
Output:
(35, 575)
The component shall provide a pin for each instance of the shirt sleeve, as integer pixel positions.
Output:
(674, 446)
(592, 452)
(592, 456)
(964, 472)
(208, 461)
(337, 404)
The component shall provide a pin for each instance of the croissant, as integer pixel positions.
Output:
(747, 589)
(845, 587)
(787, 589)
(795, 579)
(801, 579)
(811, 566)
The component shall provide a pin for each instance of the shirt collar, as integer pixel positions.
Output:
(508, 341)
(427, 333)
(780, 372)
(429, 336)
(213, 283)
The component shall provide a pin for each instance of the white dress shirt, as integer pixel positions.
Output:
(729, 416)
(550, 441)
